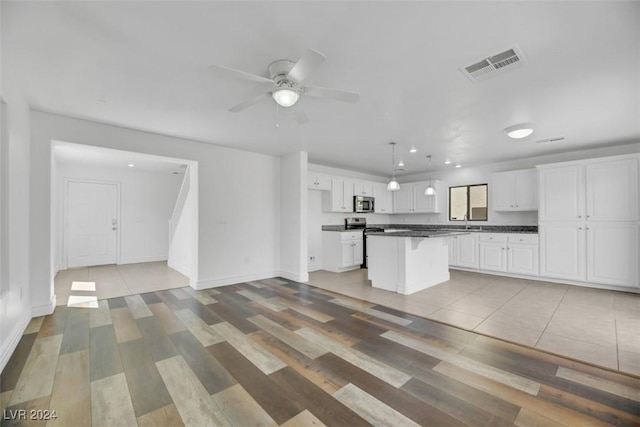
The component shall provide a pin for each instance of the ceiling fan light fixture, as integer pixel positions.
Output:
(285, 97)
(519, 131)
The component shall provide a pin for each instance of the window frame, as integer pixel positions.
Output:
(469, 201)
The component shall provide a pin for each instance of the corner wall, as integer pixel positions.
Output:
(293, 217)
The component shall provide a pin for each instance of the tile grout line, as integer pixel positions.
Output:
(551, 317)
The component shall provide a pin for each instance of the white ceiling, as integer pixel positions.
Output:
(148, 61)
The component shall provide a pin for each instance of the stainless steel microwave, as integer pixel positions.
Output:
(362, 204)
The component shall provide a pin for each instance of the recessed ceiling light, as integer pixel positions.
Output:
(458, 165)
(413, 150)
(447, 162)
(131, 165)
(519, 131)
(400, 163)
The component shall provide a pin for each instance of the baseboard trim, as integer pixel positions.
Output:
(301, 278)
(224, 281)
(10, 344)
(142, 259)
(44, 309)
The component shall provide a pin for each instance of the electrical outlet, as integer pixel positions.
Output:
(312, 258)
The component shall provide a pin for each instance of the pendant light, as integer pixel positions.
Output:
(430, 191)
(393, 184)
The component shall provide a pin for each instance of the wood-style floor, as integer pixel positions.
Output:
(275, 352)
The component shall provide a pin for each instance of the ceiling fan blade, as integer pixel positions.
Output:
(309, 61)
(300, 116)
(249, 103)
(323, 92)
(237, 74)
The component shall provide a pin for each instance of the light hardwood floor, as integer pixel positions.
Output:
(276, 352)
(592, 325)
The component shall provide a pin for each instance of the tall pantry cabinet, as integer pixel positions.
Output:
(589, 221)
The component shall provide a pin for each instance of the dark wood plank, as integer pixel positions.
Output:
(119, 302)
(76, 331)
(212, 374)
(328, 410)
(104, 357)
(151, 298)
(395, 398)
(13, 369)
(146, 387)
(158, 343)
(280, 403)
(235, 312)
(202, 311)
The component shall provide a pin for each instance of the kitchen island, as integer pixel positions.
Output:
(408, 261)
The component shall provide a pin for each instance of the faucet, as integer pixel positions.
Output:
(466, 222)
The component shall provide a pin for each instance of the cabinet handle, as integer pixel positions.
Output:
(579, 228)
(517, 206)
(579, 216)
(587, 228)
(588, 216)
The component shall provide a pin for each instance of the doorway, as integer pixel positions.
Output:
(91, 223)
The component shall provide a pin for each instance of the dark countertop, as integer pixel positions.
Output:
(525, 229)
(417, 233)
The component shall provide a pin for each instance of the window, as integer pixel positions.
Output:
(468, 202)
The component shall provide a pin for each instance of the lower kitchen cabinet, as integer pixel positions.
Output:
(509, 253)
(342, 251)
(463, 251)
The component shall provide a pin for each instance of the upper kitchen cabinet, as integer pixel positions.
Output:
(383, 202)
(340, 198)
(593, 190)
(363, 188)
(318, 181)
(515, 190)
(411, 198)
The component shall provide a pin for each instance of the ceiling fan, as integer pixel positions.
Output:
(285, 83)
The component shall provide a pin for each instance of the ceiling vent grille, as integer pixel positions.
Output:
(494, 65)
(555, 139)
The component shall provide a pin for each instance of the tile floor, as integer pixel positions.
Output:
(112, 281)
(592, 325)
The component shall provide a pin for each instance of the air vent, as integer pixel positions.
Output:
(555, 139)
(494, 65)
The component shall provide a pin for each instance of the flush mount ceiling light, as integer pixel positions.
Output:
(285, 97)
(458, 165)
(131, 165)
(393, 184)
(447, 162)
(413, 150)
(519, 131)
(430, 191)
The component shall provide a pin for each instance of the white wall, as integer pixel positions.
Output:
(146, 203)
(293, 217)
(15, 303)
(238, 202)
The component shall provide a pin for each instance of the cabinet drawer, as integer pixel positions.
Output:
(351, 235)
(523, 238)
(493, 237)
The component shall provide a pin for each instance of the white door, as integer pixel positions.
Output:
(612, 190)
(493, 257)
(561, 194)
(526, 190)
(403, 199)
(92, 215)
(522, 259)
(467, 248)
(358, 252)
(504, 187)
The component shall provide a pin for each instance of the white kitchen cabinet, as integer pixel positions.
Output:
(318, 181)
(510, 253)
(612, 250)
(463, 251)
(515, 191)
(342, 251)
(363, 188)
(595, 190)
(411, 198)
(612, 190)
(383, 202)
(340, 198)
(589, 221)
(562, 250)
